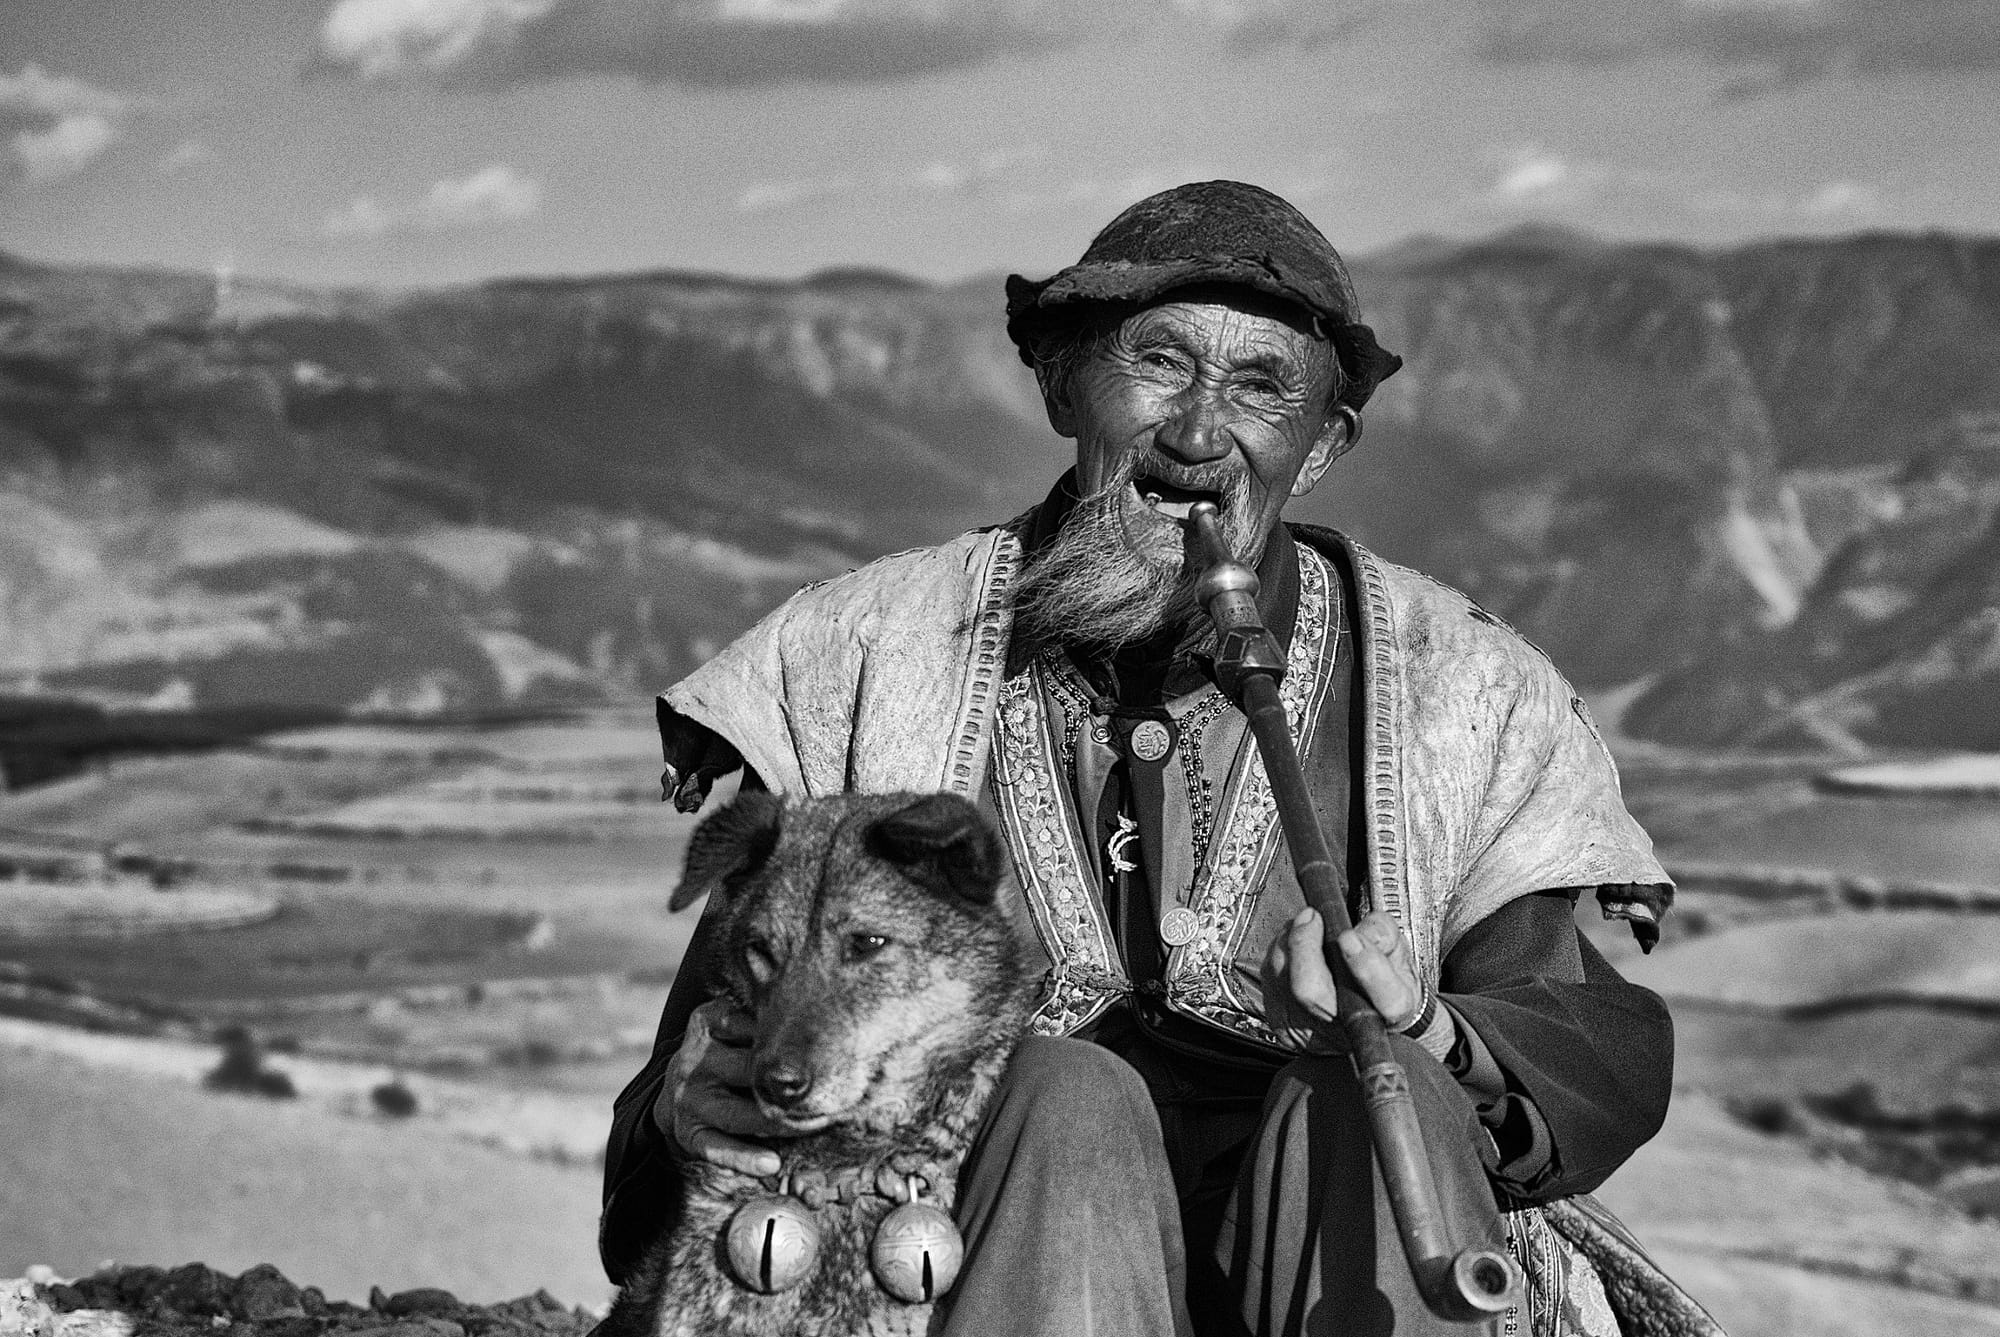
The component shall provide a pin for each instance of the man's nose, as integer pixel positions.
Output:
(1196, 428)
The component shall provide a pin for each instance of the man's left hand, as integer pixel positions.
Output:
(1299, 999)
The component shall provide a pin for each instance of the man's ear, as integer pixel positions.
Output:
(1340, 434)
(941, 843)
(735, 841)
(1056, 400)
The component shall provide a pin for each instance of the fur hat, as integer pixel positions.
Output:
(1208, 232)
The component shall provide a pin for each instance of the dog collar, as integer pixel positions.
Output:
(894, 1177)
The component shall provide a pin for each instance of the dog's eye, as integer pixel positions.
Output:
(759, 960)
(861, 946)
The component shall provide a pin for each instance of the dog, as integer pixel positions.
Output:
(865, 937)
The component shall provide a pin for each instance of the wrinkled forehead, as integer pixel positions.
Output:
(1245, 301)
(1229, 325)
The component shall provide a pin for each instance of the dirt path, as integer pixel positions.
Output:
(1777, 1243)
(143, 1168)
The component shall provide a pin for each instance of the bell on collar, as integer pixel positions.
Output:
(917, 1251)
(772, 1243)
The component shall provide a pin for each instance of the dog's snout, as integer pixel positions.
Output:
(782, 1084)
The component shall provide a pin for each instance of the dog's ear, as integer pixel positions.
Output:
(734, 841)
(941, 842)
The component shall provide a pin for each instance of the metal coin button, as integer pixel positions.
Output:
(1178, 926)
(1151, 740)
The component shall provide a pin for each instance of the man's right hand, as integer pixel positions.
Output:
(705, 1107)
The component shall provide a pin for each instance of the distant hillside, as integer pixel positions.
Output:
(1764, 479)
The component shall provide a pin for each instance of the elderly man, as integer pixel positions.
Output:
(1175, 1150)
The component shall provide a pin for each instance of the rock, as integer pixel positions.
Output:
(528, 1306)
(134, 1284)
(500, 1326)
(291, 1326)
(421, 1300)
(64, 1298)
(94, 1292)
(192, 1290)
(25, 1313)
(418, 1326)
(263, 1293)
(198, 1301)
(435, 1327)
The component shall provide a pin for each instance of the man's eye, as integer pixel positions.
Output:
(861, 946)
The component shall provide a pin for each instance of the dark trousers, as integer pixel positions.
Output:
(1093, 1204)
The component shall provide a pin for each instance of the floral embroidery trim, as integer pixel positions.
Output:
(1199, 975)
(1034, 783)
(1030, 792)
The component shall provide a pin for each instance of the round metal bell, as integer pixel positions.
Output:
(917, 1252)
(772, 1243)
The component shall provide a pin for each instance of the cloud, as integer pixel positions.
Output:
(185, 156)
(1837, 198)
(489, 42)
(1535, 178)
(1768, 44)
(1539, 177)
(362, 216)
(36, 92)
(980, 174)
(1533, 173)
(1028, 178)
(386, 39)
(55, 126)
(495, 194)
(1828, 202)
(65, 148)
(768, 196)
(992, 175)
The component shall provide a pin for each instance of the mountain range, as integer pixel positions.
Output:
(1756, 490)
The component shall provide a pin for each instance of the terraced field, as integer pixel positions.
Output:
(478, 901)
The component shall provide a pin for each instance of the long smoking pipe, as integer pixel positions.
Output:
(1461, 1285)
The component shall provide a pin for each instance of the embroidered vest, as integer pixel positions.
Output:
(1480, 776)
(1211, 976)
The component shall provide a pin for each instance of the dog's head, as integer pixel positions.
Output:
(865, 936)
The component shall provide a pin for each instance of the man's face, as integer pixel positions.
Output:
(1208, 398)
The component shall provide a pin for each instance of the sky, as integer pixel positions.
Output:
(420, 142)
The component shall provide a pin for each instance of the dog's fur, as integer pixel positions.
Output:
(903, 1044)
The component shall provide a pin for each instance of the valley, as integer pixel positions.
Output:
(330, 619)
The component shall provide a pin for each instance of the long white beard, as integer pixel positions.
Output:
(1098, 584)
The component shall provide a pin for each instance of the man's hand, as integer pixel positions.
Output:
(1299, 1001)
(705, 1107)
